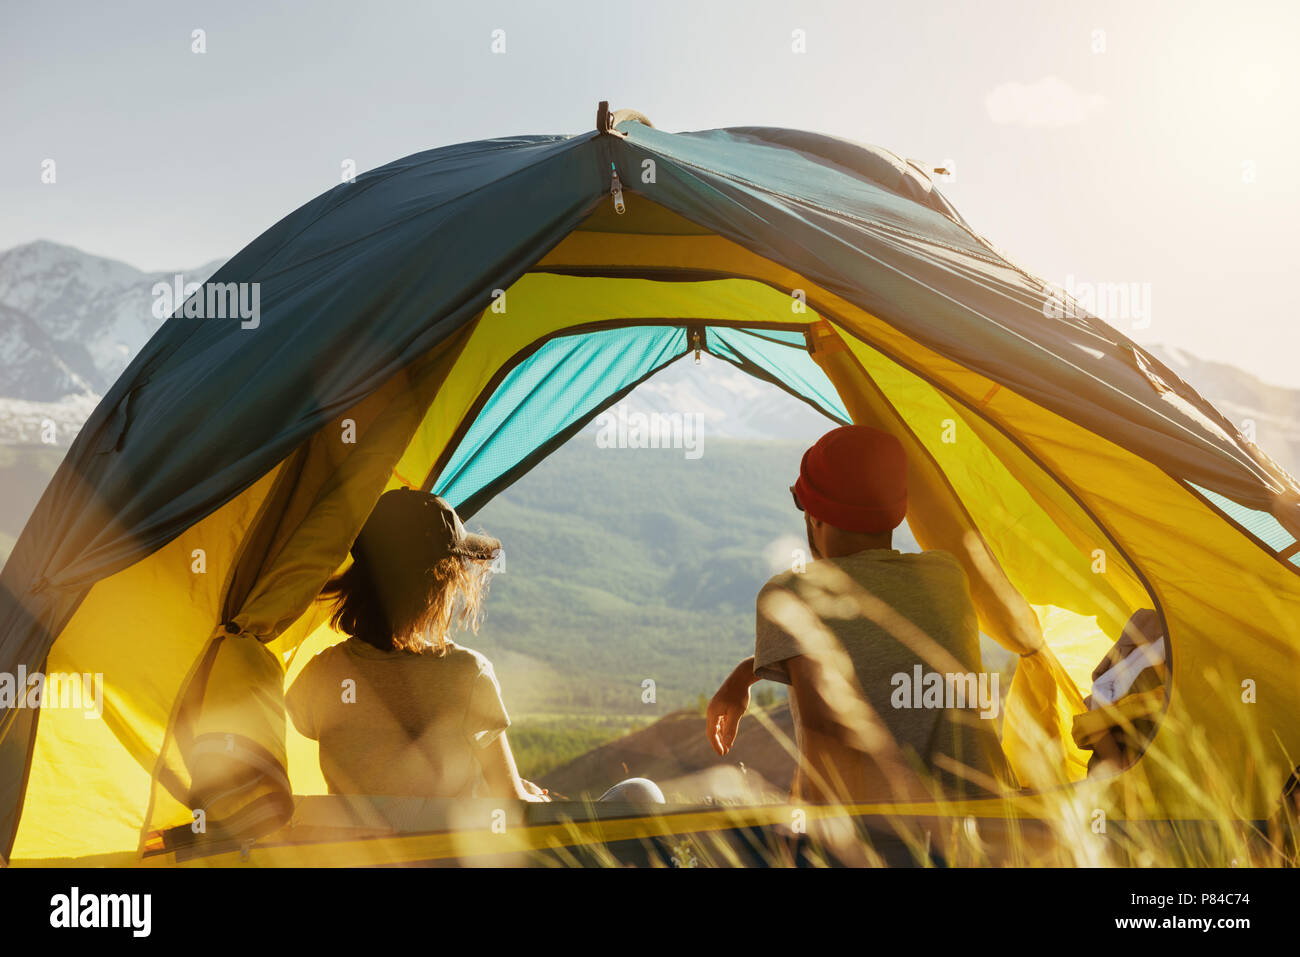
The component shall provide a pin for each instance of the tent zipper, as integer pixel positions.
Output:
(605, 127)
(616, 189)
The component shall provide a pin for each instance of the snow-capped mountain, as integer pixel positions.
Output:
(69, 324)
(731, 404)
(37, 366)
(97, 312)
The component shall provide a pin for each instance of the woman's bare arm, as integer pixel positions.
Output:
(502, 775)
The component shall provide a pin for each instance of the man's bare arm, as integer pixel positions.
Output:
(722, 719)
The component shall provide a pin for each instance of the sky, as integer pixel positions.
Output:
(1142, 143)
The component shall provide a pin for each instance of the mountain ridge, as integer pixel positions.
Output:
(93, 315)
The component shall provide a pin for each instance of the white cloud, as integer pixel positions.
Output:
(779, 554)
(1049, 103)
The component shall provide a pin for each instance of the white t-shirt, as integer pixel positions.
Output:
(396, 722)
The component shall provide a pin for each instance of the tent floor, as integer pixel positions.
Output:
(333, 830)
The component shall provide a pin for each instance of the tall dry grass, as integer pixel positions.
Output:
(1197, 797)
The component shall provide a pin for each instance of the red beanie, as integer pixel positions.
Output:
(855, 478)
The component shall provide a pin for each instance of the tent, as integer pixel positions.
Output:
(449, 319)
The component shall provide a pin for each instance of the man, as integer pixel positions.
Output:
(852, 632)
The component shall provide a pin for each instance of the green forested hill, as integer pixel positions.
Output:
(623, 565)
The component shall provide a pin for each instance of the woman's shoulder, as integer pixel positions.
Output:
(467, 658)
(321, 666)
(328, 655)
(456, 658)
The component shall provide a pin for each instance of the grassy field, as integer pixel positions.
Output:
(543, 742)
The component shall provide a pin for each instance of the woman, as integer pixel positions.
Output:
(399, 708)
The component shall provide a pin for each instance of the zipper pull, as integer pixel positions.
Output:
(695, 344)
(616, 190)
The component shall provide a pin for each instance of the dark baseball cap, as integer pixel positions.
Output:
(410, 528)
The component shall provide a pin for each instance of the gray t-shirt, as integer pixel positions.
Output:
(398, 723)
(892, 617)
